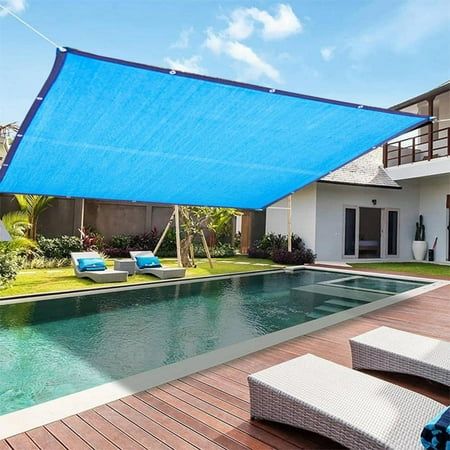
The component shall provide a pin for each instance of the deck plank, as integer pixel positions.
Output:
(131, 429)
(44, 439)
(171, 424)
(210, 409)
(109, 431)
(22, 442)
(198, 426)
(90, 435)
(66, 436)
(161, 433)
(4, 445)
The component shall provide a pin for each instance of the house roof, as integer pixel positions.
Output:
(366, 171)
(418, 98)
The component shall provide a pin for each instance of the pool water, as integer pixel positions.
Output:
(52, 348)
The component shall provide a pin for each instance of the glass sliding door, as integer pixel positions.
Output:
(392, 232)
(350, 227)
(369, 237)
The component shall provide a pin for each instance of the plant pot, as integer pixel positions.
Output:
(419, 249)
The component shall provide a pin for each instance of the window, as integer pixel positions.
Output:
(350, 232)
(392, 228)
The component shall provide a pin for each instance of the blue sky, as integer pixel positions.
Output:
(376, 52)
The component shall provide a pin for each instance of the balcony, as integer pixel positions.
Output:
(422, 147)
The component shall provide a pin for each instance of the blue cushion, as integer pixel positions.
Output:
(91, 264)
(146, 262)
(436, 433)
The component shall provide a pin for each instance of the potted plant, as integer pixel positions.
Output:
(419, 245)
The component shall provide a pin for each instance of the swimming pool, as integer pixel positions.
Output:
(52, 348)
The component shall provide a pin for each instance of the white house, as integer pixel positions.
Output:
(368, 209)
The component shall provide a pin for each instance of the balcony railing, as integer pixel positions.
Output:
(423, 147)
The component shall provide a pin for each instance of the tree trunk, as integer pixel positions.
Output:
(185, 250)
(33, 229)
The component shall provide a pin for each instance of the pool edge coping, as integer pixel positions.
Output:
(129, 287)
(44, 413)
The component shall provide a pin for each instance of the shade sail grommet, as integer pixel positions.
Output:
(360, 106)
(62, 49)
(39, 99)
(172, 72)
(272, 91)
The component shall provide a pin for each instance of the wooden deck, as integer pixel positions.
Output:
(210, 409)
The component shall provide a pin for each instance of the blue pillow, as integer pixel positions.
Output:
(91, 264)
(436, 434)
(147, 262)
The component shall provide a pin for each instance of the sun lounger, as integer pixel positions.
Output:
(161, 272)
(104, 276)
(357, 410)
(391, 350)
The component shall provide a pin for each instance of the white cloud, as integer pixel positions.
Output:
(256, 67)
(327, 53)
(183, 38)
(406, 26)
(240, 25)
(15, 6)
(279, 26)
(242, 21)
(191, 64)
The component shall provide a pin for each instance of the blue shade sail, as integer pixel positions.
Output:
(108, 129)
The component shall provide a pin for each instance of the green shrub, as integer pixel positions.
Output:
(41, 262)
(275, 247)
(219, 251)
(120, 241)
(92, 240)
(121, 244)
(9, 268)
(59, 247)
(169, 245)
(297, 257)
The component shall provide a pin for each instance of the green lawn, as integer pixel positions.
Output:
(410, 268)
(35, 281)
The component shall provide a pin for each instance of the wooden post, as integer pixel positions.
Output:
(163, 235)
(430, 129)
(289, 236)
(82, 219)
(205, 246)
(177, 232)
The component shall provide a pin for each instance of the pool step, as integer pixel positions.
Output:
(316, 314)
(344, 303)
(335, 292)
(330, 308)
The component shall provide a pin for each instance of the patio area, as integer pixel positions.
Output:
(210, 409)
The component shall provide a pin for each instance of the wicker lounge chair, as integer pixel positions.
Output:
(164, 273)
(391, 350)
(104, 276)
(357, 410)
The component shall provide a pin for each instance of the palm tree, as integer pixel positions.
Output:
(33, 206)
(17, 225)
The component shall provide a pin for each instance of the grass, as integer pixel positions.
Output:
(37, 281)
(410, 268)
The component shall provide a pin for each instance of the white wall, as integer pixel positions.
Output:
(432, 205)
(331, 199)
(303, 216)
